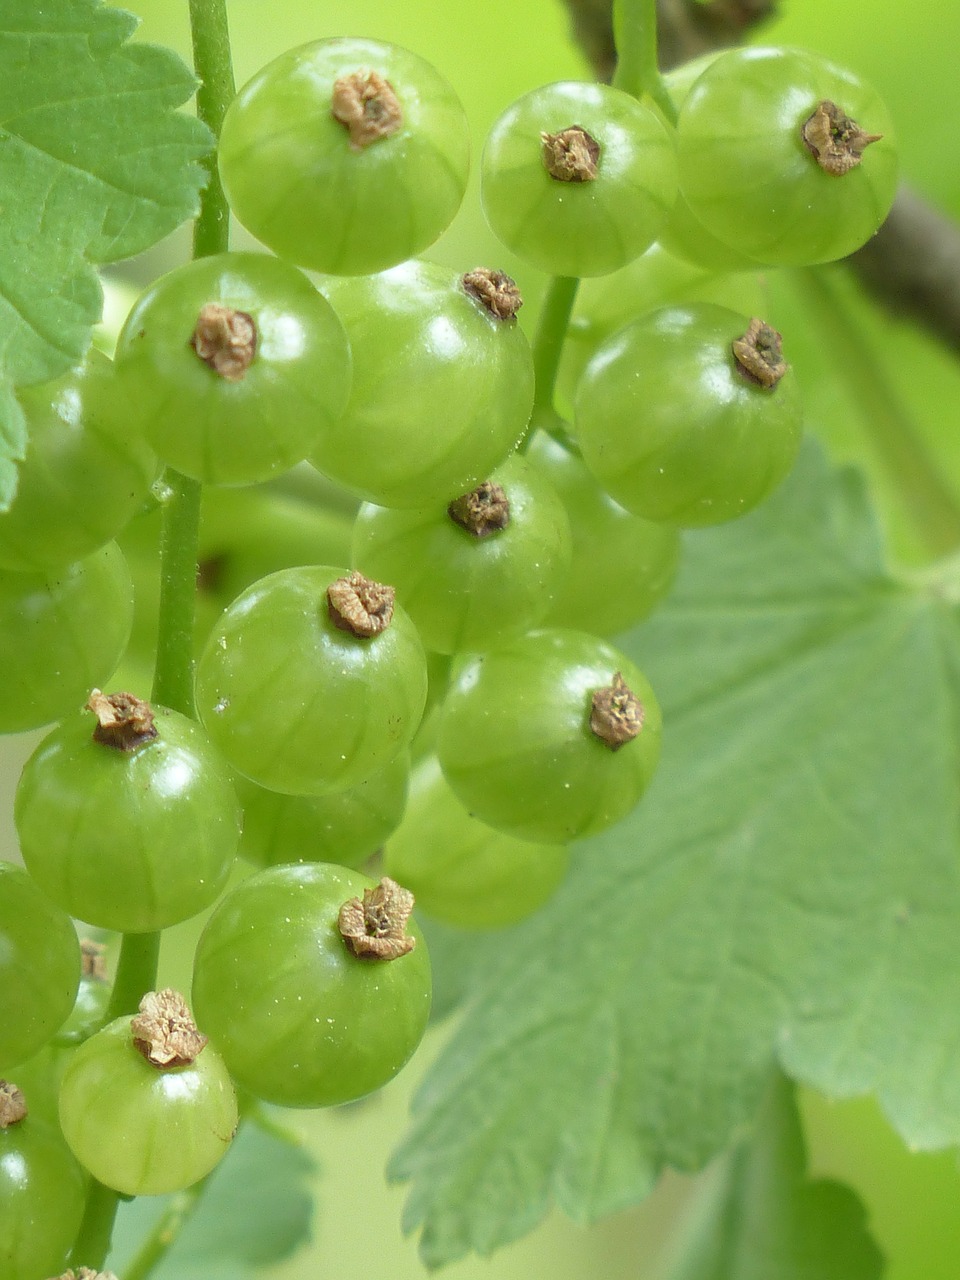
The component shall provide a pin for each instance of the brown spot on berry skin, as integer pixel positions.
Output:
(572, 155)
(836, 142)
(366, 104)
(164, 1030)
(226, 340)
(616, 714)
(374, 927)
(495, 290)
(759, 354)
(360, 606)
(482, 511)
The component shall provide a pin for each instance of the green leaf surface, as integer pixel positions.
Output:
(95, 165)
(756, 1216)
(256, 1212)
(789, 888)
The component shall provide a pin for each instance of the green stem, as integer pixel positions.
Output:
(166, 1231)
(927, 498)
(136, 973)
(214, 67)
(552, 325)
(96, 1230)
(635, 36)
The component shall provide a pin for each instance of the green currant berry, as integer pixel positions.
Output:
(312, 680)
(346, 156)
(577, 179)
(552, 737)
(690, 415)
(127, 818)
(346, 1005)
(235, 364)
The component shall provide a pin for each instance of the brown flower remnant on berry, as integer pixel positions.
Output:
(225, 339)
(86, 1274)
(836, 142)
(360, 605)
(92, 963)
(366, 104)
(164, 1030)
(572, 155)
(495, 290)
(482, 511)
(124, 721)
(374, 927)
(616, 714)
(759, 354)
(13, 1105)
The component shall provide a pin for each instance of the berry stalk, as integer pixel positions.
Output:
(635, 35)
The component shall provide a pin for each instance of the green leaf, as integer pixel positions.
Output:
(95, 165)
(255, 1212)
(790, 887)
(757, 1217)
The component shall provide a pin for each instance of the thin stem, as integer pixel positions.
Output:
(96, 1230)
(551, 334)
(635, 35)
(927, 498)
(214, 67)
(166, 1231)
(136, 973)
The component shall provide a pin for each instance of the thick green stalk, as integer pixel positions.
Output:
(96, 1230)
(635, 35)
(552, 328)
(166, 1231)
(173, 675)
(927, 498)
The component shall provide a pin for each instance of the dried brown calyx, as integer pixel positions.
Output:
(759, 354)
(572, 155)
(616, 714)
(495, 290)
(374, 927)
(365, 103)
(836, 142)
(164, 1030)
(85, 1273)
(92, 963)
(13, 1105)
(124, 721)
(225, 339)
(360, 605)
(482, 511)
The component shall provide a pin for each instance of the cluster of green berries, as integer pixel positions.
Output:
(447, 695)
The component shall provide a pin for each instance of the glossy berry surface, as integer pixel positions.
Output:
(42, 1192)
(462, 871)
(39, 966)
(346, 827)
(515, 743)
(341, 198)
(140, 1129)
(442, 388)
(323, 1027)
(622, 565)
(575, 224)
(86, 473)
(237, 404)
(749, 177)
(63, 632)
(298, 704)
(673, 428)
(468, 591)
(131, 840)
